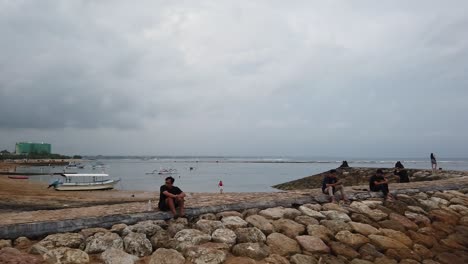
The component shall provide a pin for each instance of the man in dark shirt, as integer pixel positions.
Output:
(378, 182)
(402, 173)
(331, 184)
(171, 197)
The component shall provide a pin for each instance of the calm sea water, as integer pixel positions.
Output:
(237, 176)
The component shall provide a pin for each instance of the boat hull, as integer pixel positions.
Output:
(107, 185)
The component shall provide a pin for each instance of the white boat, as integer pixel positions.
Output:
(167, 171)
(86, 182)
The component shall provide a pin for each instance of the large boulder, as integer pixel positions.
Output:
(311, 212)
(118, 228)
(37, 249)
(149, 228)
(166, 256)
(69, 240)
(64, 255)
(205, 254)
(364, 229)
(423, 251)
(176, 225)
(250, 234)
(161, 240)
(282, 245)
(291, 213)
(303, 259)
(100, 242)
(426, 240)
(190, 237)
(87, 232)
(5, 243)
(341, 249)
(418, 219)
(385, 243)
(228, 213)
(22, 243)
(375, 214)
(369, 252)
(224, 235)
(208, 216)
(320, 231)
(117, 256)
(208, 226)
(403, 221)
(336, 226)
(272, 213)
(137, 244)
(288, 227)
(306, 220)
(261, 223)
(312, 244)
(397, 235)
(350, 239)
(336, 215)
(274, 259)
(251, 250)
(233, 222)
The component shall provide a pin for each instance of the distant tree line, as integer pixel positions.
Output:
(6, 155)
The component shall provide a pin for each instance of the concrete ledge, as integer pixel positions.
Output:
(38, 229)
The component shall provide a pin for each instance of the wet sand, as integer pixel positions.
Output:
(23, 195)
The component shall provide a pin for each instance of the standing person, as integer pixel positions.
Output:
(433, 162)
(331, 184)
(171, 197)
(379, 182)
(221, 187)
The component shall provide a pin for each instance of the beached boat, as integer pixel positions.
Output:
(86, 182)
(18, 177)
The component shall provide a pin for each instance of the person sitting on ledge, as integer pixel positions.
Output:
(378, 183)
(331, 184)
(401, 172)
(171, 197)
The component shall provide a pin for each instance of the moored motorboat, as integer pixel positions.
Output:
(86, 182)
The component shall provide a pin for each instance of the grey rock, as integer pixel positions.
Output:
(117, 256)
(100, 242)
(250, 234)
(251, 250)
(224, 235)
(137, 244)
(166, 256)
(63, 255)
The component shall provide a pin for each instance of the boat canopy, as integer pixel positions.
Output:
(86, 175)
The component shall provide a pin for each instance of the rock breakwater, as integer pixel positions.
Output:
(360, 176)
(419, 227)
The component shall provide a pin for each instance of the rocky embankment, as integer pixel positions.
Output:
(360, 176)
(428, 228)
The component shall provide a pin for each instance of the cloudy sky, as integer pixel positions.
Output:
(264, 77)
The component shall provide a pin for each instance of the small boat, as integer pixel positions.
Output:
(86, 182)
(18, 177)
(167, 171)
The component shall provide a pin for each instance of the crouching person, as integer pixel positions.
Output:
(331, 185)
(379, 183)
(171, 197)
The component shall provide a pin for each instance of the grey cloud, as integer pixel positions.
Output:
(288, 78)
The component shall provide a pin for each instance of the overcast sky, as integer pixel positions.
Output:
(296, 78)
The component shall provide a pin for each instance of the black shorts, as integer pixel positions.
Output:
(164, 207)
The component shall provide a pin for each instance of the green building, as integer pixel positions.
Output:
(33, 148)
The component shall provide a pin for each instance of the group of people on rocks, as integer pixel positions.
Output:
(172, 197)
(377, 183)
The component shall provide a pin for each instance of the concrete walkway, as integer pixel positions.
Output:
(36, 223)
